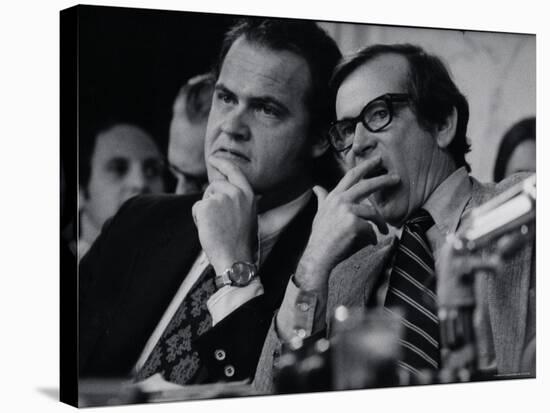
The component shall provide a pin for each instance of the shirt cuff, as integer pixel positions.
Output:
(228, 298)
(297, 313)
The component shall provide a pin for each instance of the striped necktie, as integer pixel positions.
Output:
(173, 356)
(411, 296)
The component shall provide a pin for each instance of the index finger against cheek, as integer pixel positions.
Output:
(232, 173)
(357, 173)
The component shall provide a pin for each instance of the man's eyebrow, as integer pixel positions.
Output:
(255, 100)
(220, 87)
(270, 100)
(348, 118)
(117, 159)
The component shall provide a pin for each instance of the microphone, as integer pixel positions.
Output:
(505, 222)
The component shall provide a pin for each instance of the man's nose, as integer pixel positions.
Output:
(136, 182)
(363, 141)
(235, 124)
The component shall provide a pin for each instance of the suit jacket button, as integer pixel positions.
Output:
(219, 355)
(229, 371)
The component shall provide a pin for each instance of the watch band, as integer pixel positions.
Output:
(223, 279)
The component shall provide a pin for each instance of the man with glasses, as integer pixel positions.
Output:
(401, 134)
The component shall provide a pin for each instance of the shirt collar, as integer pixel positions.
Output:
(271, 222)
(447, 203)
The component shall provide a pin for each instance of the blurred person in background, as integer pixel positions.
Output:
(187, 131)
(121, 160)
(516, 152)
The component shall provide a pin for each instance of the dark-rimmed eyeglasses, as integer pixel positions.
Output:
(375, 116)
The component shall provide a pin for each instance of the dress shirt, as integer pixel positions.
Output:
(297, 315)
(228, 298)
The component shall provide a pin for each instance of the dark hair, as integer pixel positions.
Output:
(521, 131)
(433, 92)
(307, 40)
(197, 94)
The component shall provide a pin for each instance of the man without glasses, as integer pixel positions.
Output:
(187, 286)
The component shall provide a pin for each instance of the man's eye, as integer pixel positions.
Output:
(268, 110)
(379, 114)
(225, 97)
(347, 129)
(118, 167)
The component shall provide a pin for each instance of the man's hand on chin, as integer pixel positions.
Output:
(226, 217)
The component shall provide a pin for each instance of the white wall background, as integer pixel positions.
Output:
(495, 71)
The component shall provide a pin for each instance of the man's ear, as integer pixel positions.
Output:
(320, 145)
(445, 132)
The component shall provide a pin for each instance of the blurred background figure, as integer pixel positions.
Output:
(119, 161)
(187, 131)
(517, 150)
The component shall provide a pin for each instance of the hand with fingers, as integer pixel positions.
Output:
(344, 223)
(226, 218)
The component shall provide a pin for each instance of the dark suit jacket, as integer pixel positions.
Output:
(505, 301)
(136, 265)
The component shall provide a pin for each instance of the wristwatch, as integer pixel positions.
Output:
(239, 274)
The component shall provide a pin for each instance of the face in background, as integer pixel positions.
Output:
(523, 158)
(186, 150)
(405, 148)
(260, 122)
(125, 162)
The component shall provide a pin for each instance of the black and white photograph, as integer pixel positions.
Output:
(276, 206)
(258, 208)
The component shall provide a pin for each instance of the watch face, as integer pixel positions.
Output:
(241, 273)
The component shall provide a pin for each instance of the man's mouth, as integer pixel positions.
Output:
(378, 171)
(384, 193)
(231, 154)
